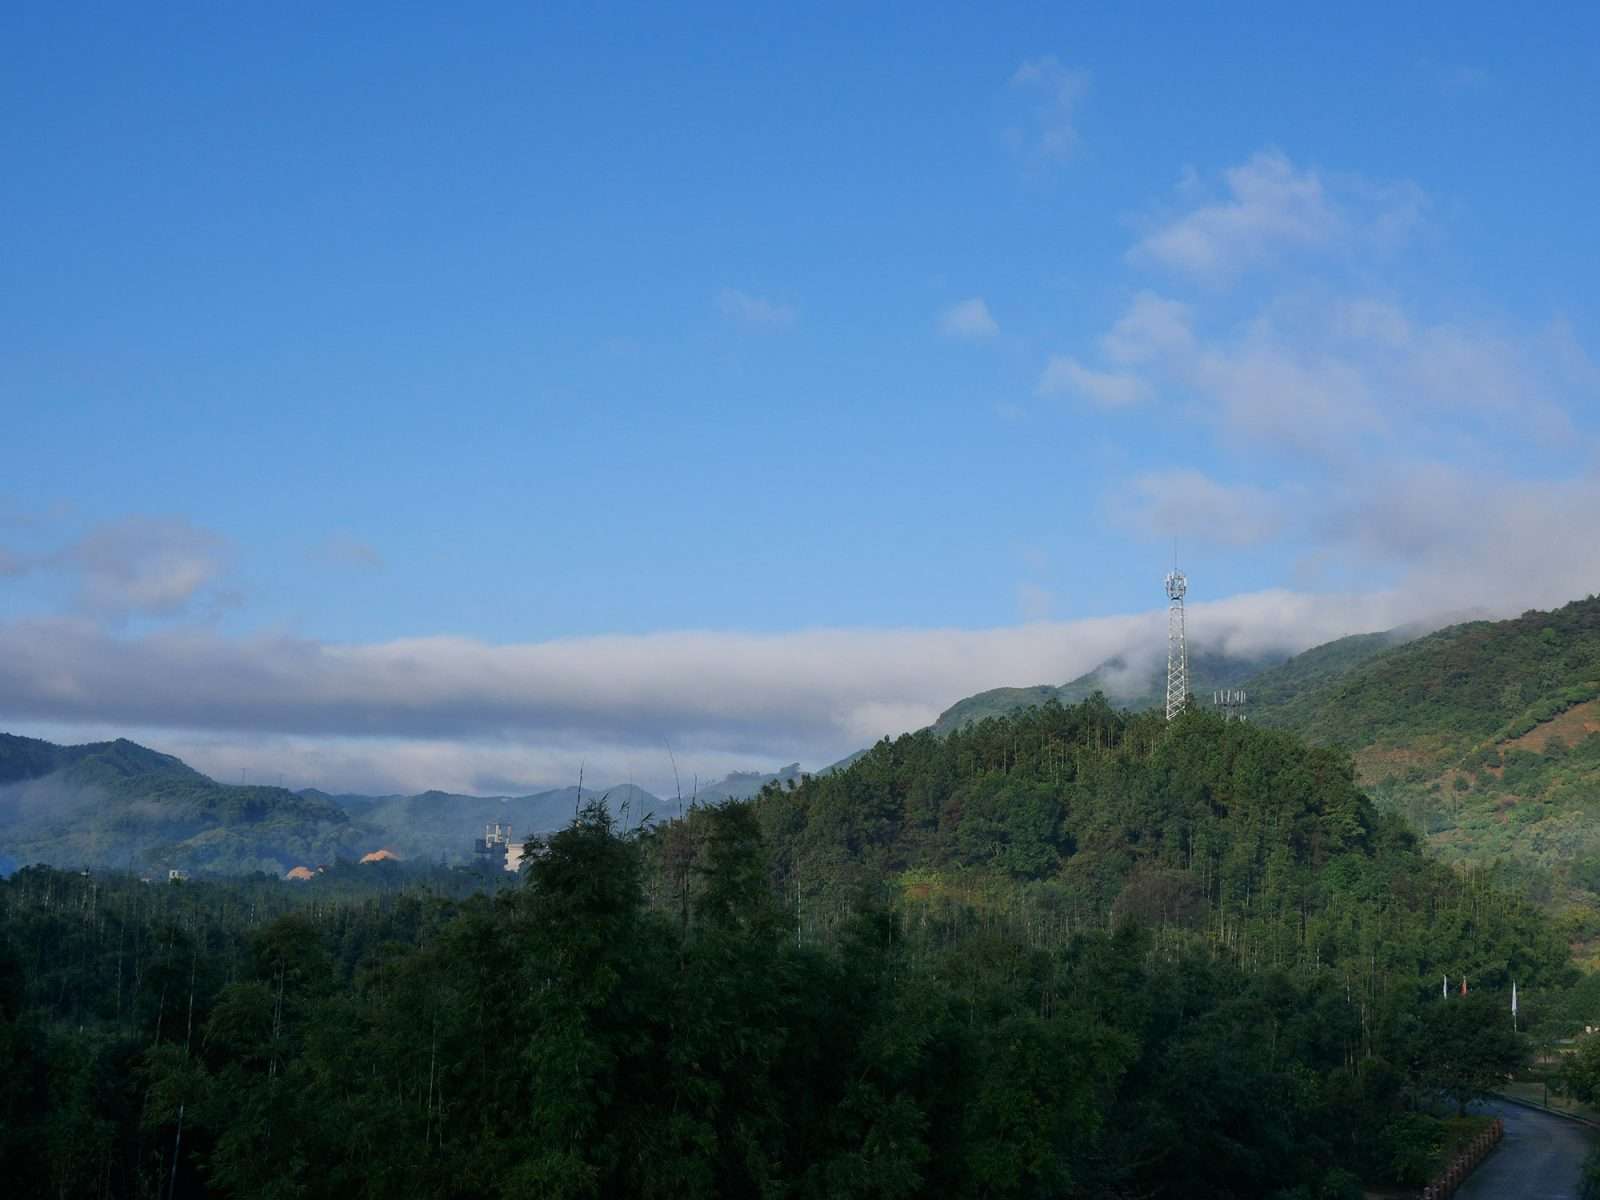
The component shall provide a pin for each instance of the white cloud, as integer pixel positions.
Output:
(1058, 90)
(969, 319)
(474, 716)
(1475, 534)
(145, 565)
(754, 698)
(754, 311)
(1106, 389)
(1325, 377)
(1196, 508)
(1313, 404)
(1271, 207)
(1153, 327)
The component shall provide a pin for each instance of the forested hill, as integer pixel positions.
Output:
(1074, 954)
(119, 804)
(1486, 735)
(24, 758)
(1241, 833)
(1280, 692)
(1244, 847)
(1456, 688)
(1483, 735)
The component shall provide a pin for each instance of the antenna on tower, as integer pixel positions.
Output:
(1231, 701)
(1177, 649)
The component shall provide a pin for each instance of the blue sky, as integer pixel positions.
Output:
(723, 353)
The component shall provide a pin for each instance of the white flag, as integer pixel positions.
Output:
(1444, 990)
(1513, 997)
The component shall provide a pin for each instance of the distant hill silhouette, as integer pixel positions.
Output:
(119, 804)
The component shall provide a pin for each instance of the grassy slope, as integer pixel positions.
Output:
(1487, 735)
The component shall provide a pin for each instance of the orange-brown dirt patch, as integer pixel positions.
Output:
(1572, 726)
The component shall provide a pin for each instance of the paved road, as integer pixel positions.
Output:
(1538, 1159)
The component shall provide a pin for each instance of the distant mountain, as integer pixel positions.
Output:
(121, 804)
(438, 824)
(742, 785)
(1125, 685)
(23, 758)
(844, 762)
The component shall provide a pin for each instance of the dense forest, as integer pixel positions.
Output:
(1071, 953)
(1485, 736)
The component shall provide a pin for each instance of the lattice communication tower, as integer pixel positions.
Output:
(1177, 649)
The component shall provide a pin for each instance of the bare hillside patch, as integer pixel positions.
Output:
(1572, 726)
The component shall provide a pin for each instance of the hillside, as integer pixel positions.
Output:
(1459, 686)
(1283, 690)
(1125, 686)
(1189, 843)
(1486, 735)
(121, 804)
(1080, 953)
(23, 758)
(1091, 811)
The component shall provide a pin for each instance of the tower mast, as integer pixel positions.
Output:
(1177, 649)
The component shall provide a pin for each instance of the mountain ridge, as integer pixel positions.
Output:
(120, 804)
(1122, 684)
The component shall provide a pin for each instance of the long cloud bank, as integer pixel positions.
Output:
(737, 691)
